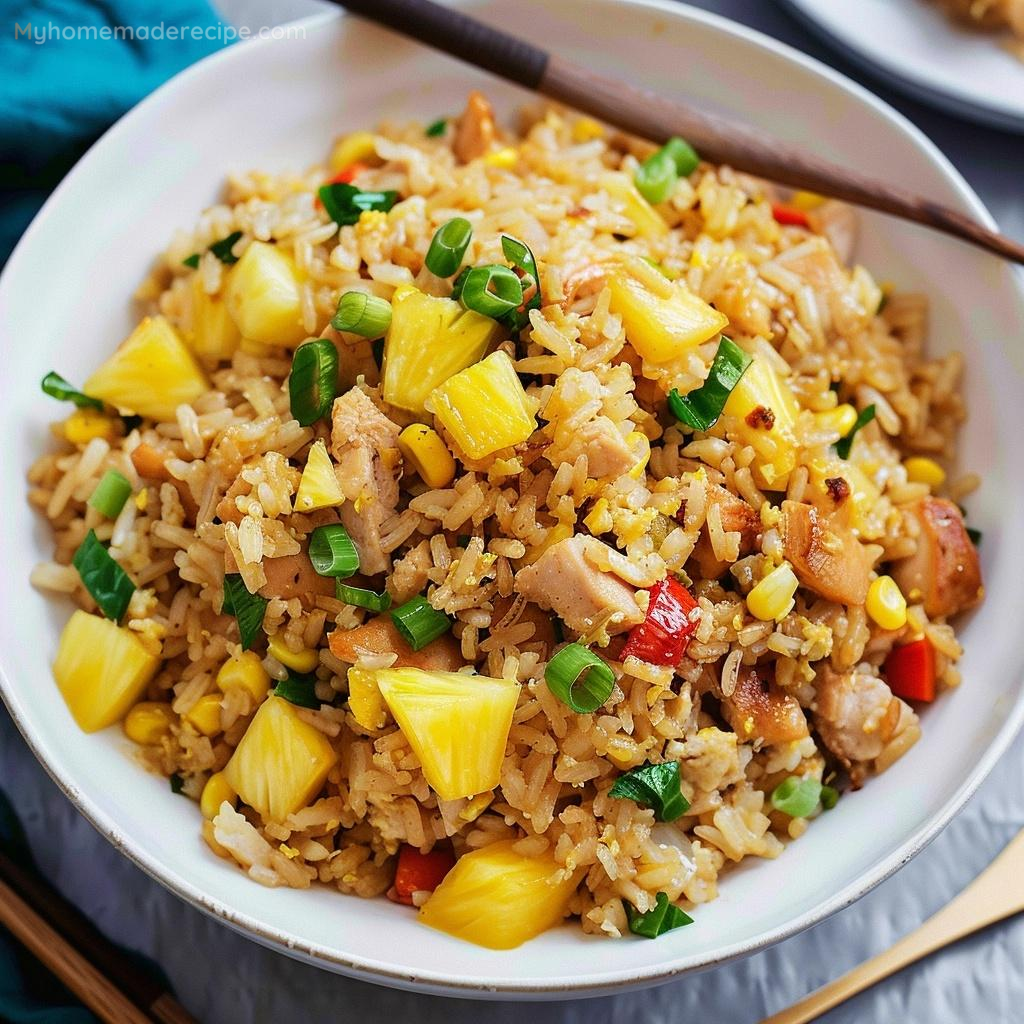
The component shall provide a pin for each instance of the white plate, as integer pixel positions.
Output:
(919, 50)
(64, 303)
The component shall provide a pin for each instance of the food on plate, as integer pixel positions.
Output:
(989, 15)
(518, 526)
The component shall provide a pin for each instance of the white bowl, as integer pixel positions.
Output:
(64, 304)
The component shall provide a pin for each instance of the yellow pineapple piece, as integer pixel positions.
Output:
(214, 334)
(498, 898)
(457, 724)
(862, 499)
(429, 340)
(365, 700)
(263, 297)
(664, 324)
(151, 373)
(319, 486)
(101, 670)
(281, 762)
(350, 149)
(648, 222)
(761, 388)
(485, 408)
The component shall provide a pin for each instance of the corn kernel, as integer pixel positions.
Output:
(921, 470)
(772, 598)
(586, 129)
(423, 447)
(476, 806)
(641, 446)
(354, 148)
(85, 424)
(245, 671)
(503, 158)
(215, 792)
(205, 714)
(142, 499)
(149, 722)
(305, 660)
(886, 603)
(840, 419)
(806, 200)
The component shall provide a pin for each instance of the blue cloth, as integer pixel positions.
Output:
(66, 75)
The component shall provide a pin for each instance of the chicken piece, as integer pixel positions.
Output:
(825, 553)
(379, 636)
(944, 572)
(475, 130)
(608, 455)
(151, 464)
(737, 516)
(759, 709)
(563, 580)
(815, 262)
(364, 443)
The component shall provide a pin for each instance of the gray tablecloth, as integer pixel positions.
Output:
(225, 979)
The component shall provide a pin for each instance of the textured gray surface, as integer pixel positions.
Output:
(225, 979)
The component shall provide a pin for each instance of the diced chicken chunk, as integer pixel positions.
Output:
(944, 573)
(365, 446)
(475, 131)
(737, 517)
(608, 454)
(379, 636)
(815, 262)
(564, 580)
(760, 709)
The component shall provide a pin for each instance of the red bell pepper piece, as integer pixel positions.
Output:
(346, 174)
(910, 670)
(420, 871)
(662, 638)
(790, 215)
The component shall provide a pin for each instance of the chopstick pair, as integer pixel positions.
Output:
(653, 117)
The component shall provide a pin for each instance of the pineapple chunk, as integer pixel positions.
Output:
(429, 340)
(862, 501)
(151, 373)
(263, 297)
(662, 327)
(319, 486)
(365, 700)
(281, 762)
(485, 408)
(214, 334)
(761, 387)
(498, 898)
(648, 222)
(456, 724)
(101, 670)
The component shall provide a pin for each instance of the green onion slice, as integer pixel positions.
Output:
(313, 382)
(57, 387)
(247, 608)
(111, 493)
(111, 587)
(177, 783)
(345, 204)
(359, 313)
(684, 156)
(521, 256)
(436, 128)
(796, 797)
(299, 690)
(701, 408)
(655, 786)
(493, 291)
(419, 623)
(656, 177)
(663, 918)
(448, 247)
(362, 598)
(222, 249)
(460, 280)
(191, 261)
(579, 678)
(844, 444)
(332, 552)
(829, 797)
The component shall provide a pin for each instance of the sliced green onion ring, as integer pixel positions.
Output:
(299, 690)
(363, 314)
(111, 493)
(332, 552)
(701, 408)
(684, 156)
(493, 291)
(579, 678)
(345, 203)
(796, 797)
(247, 608)
(520, 255)
(110, 586)
(56, 386)
(663, 917)
(844, 444)
(313, 382)
(419, 623)
(656, 786)
(448, 247)
(362, 598)
(656, 177)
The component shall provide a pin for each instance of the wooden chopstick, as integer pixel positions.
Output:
(654, 117)
(91, 966)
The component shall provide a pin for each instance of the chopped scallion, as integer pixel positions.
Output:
(222, 249)
(363, 314)
(191, 261)
(683, 155)
(448, 247)
(57, 387)
(829, 797)
(110, 586)
(520, 255)
(844, 444)
(299, 690)
(493, 291)
(345, 203)
(419, 623)
(656, 786)
(701, 408)
(579, 678)
(436, 128)
(656, 177)
(796, 797)
(361, 597)
(247, 608)
(313, 382)
(664, 917)
(177, 783)
(111, 493)
(332, 552)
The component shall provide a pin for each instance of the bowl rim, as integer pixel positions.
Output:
(601, 982)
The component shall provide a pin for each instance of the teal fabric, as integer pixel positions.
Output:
(58, 94)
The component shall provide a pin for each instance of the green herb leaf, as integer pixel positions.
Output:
(420, 623)
(656, 786)
(56, 386)
(110, 586)
(177, 783)
(110, 494)
(299, 690)
(345, 203)
(579, 678)
(247, 608)
(796, 797)
(191, 261)
(844, 444)
(665, 917)
(436, 128)
(313, 382)
(700, 409)
(222, 249)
